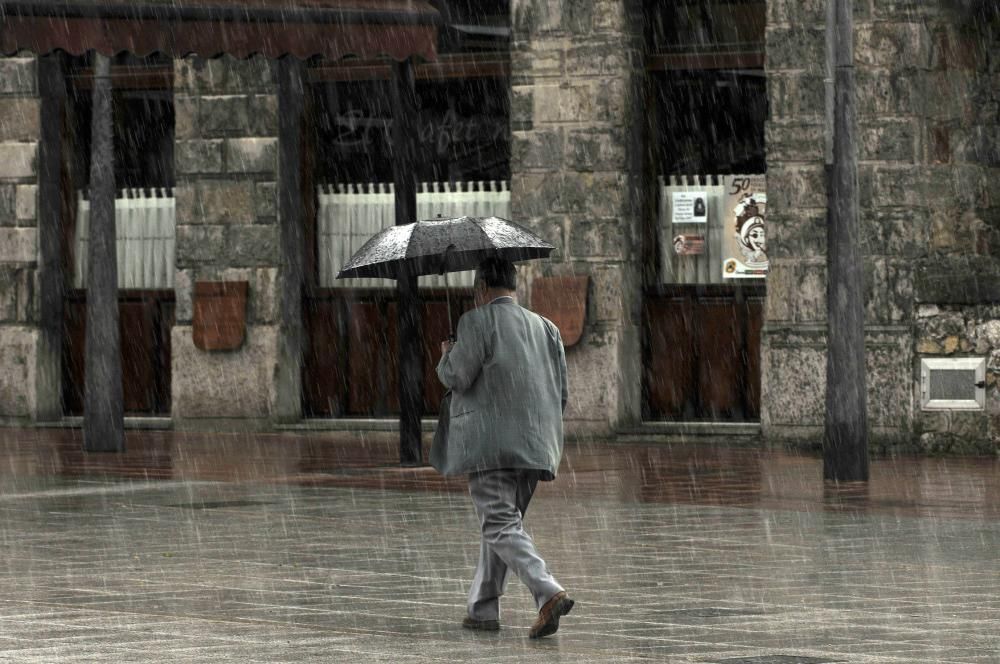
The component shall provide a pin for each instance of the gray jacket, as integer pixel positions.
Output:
(507, 375)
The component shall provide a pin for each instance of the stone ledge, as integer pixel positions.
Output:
(813, 335)
(958, 280)
(76, 422)
(427, 425)
(699, 430)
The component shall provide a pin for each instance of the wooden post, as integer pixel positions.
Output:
(845, 443)
(291, 220)
(52, 89)
(411, 370)
(828, 88)
(103, 411)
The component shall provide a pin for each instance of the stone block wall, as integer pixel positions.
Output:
(226, 166)
(927, 111)
(19, 336)
(574, 67)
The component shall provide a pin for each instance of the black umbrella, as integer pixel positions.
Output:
(440, 246)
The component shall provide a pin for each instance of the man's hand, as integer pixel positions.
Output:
(446, 345)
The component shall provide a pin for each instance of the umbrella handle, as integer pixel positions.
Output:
(447, 291)
(447, 294)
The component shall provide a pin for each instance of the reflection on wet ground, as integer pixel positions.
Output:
(695, 473)
(196, 547)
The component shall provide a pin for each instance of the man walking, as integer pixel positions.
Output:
(507, 375)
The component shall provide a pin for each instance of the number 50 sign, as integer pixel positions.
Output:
(744, 232)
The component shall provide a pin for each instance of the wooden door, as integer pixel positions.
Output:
(135, 320)
(74, 340)
(352, 352)
(435, 330)
(144, 322)
(754, 328)
(701, 349)
(366, 341)
(669, 367)
(324, 379)
(718, 351)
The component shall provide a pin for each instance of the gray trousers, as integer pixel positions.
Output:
(501, 498)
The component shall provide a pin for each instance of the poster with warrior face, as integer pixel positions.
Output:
(744, 237)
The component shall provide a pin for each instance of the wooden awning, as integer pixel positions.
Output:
(332, 29)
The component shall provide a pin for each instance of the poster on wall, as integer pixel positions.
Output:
(690, 207)
(744, 237)
(689, 245)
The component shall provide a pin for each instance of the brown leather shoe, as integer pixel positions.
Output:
(548, 617)
(484, 625)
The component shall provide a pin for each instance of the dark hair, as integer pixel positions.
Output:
(497, 273)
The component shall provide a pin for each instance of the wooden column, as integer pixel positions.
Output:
(411, 370)
(51, 280)
(845, 443)
(103, 410)
(291, 220)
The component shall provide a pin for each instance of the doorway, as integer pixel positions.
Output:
(143, 134)
(705, 239)
(350, 366)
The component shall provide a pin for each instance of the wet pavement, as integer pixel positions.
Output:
(195, 547)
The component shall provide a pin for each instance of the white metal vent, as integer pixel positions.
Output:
(953, 383)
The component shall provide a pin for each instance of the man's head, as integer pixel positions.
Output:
(495, 277)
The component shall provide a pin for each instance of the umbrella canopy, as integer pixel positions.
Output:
(443, 245)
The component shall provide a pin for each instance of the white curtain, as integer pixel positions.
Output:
(350, 214)
(145, 233)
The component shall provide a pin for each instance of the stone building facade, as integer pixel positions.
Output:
(20, 128)
(575, 83)
(928, 87)
(928, 149)
(226, 129)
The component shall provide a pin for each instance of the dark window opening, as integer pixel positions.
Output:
(473, 25)
(710, 122)
(708, 108)
(143, 122)
(463, 130)
(699, 26)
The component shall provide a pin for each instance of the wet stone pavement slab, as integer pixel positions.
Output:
(312, 548)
